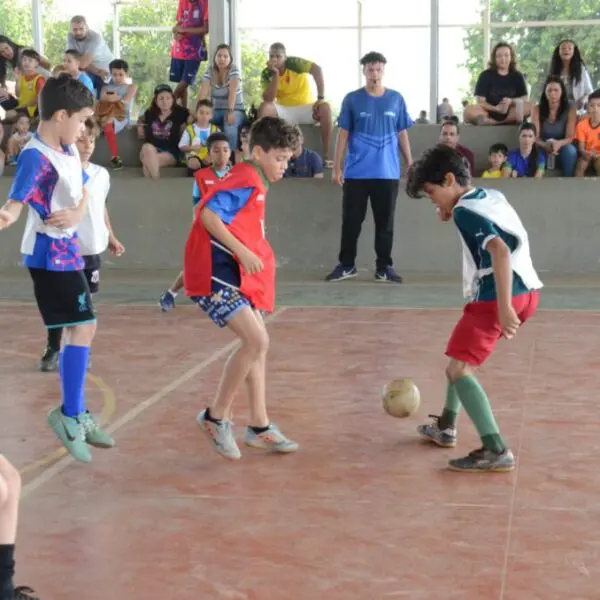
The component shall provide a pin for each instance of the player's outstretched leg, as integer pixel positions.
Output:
(72, 423)
(262, 433)
(442, 430)
(215, 420)
(494, 455)
(10, 493)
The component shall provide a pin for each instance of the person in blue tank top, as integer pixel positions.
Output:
(373, 126)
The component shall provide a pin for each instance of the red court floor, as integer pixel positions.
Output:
(364, 511)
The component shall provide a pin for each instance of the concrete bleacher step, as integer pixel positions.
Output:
(477, 139)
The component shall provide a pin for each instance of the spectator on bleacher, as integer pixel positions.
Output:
(450, 136)
(374, 126)
(10, 55)
(113, 111)
(444, 111)
(194, 140)
(95, 53)
(188, 48)
(555, 121)
(29, 85)
(422, 120)
(243, 149)
(72, 66)
(569, 66)
(497, 157)
(160, 129)
(501, 91)
(528, 160)
(16, 142)
(587, 135)
(304, 162)
(287, 94)
(2, 156)
(222, 85)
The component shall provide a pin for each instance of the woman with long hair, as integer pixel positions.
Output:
(569, 66)
(160, 129)
(555, 120)
(222, 85)
(501, 91)
(528, 160)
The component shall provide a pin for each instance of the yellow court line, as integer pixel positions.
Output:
(109, 407)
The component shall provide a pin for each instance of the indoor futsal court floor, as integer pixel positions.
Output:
(365, 510)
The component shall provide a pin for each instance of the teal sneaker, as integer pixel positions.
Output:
(221, 435)
(71, 433)
(94, 436)
(484, 461)
(271, 439)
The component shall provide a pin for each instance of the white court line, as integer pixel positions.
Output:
(37, 482)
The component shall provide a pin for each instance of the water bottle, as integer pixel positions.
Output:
(550, 159)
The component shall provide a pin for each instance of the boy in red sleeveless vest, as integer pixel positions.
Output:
(229, 271)
(219, 153)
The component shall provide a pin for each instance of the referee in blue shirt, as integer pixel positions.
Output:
(373, 126)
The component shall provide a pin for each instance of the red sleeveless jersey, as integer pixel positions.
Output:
(247, 227)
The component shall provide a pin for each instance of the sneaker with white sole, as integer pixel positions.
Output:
(444, 438)
(272, 439)
(221, 436)
(340, 273)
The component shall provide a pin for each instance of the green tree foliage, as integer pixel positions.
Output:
(534, 46)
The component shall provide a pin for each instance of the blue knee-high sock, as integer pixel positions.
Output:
(73, 370)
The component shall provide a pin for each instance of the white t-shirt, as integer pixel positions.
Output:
(95, 44)
(92, 231)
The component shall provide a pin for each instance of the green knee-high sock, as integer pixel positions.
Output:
(477, 406)
(451, 408)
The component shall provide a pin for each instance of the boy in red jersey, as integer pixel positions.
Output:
(219, 153)
(229, 271)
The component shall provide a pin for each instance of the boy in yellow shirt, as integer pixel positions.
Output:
(497, 157)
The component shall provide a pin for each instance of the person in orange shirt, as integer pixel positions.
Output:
(587, 135)
(29, 85)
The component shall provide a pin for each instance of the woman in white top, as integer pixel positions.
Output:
(569, 66)
(222, 85)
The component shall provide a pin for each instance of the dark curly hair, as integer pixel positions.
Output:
(271, 133)
(433, 166)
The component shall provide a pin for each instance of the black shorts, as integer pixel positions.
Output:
(92, 272)
(63, 298)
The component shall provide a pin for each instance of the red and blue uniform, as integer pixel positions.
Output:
(213, 275)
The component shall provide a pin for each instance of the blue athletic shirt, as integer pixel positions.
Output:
(520, 164)
(477, 231)
(226, 204)
(33, 185)
(373, 124)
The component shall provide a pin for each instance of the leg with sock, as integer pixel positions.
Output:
(494, 455)
(111, 141)
(262, 433)
(442, 430)
(10, 492)
(49, 360)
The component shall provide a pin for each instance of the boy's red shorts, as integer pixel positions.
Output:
(476, 334)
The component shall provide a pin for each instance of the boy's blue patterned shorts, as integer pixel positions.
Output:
(222, 305)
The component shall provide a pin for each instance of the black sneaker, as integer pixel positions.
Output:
(341, 272)
(484, 461)
(116, 163)
(388, 275)
(24, 593)
(49, 360)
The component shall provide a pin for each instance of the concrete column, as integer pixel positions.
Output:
(38, 27)
(434, 60)
(223, 27)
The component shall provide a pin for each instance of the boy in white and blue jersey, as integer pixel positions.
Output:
(219, 153)
(50, 181)
(499, 281)
(373, 126)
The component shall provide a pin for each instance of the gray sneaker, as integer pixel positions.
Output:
(445, 438)
(221, 435)
(94, 436)
(271, 439)
(484, 461)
